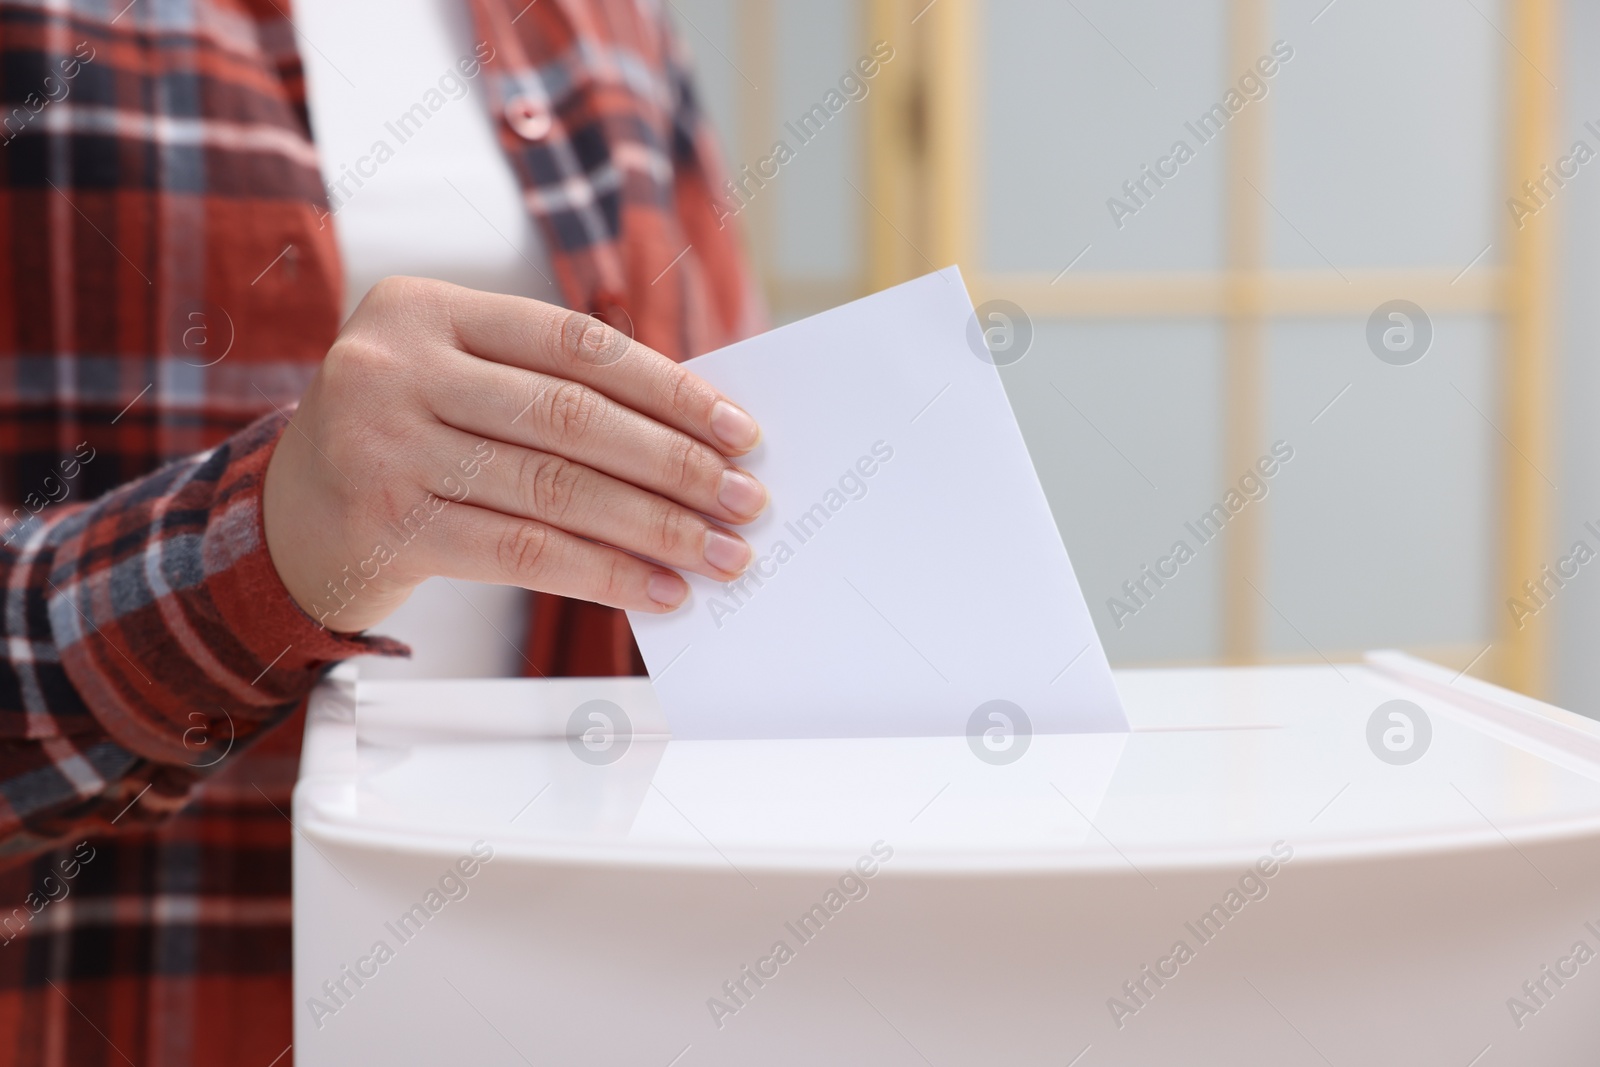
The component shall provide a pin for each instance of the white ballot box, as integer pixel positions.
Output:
(1378, 863)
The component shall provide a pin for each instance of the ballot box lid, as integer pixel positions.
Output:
(1220, 764)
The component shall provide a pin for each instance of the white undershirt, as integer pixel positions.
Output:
(368, 62)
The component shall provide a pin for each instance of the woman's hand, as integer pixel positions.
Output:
(498, 439)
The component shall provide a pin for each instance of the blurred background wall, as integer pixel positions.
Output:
(1235, 296)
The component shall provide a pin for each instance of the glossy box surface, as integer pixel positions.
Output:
(1250, 876)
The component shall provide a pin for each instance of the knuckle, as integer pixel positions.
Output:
(681, 463)
(406, 309)
(359, 357)
(589, 340)
(619, 580)
(390, 285)
(670, 530)
(683, 392)
(572, 410)
(522, 549)
(394, 326)
(552, 485)
(397, 291)
(689, 465)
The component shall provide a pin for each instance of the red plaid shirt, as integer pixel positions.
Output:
(168, 284)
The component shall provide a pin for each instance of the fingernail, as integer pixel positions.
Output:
(726, 552)
(734, 427)
(741, 494)
(668, 590)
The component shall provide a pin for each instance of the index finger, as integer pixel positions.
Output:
(570, 344)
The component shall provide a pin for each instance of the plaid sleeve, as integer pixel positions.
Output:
(148, 636)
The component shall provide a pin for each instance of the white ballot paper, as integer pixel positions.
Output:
(908, 573)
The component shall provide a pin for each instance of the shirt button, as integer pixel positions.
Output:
(529, 118)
